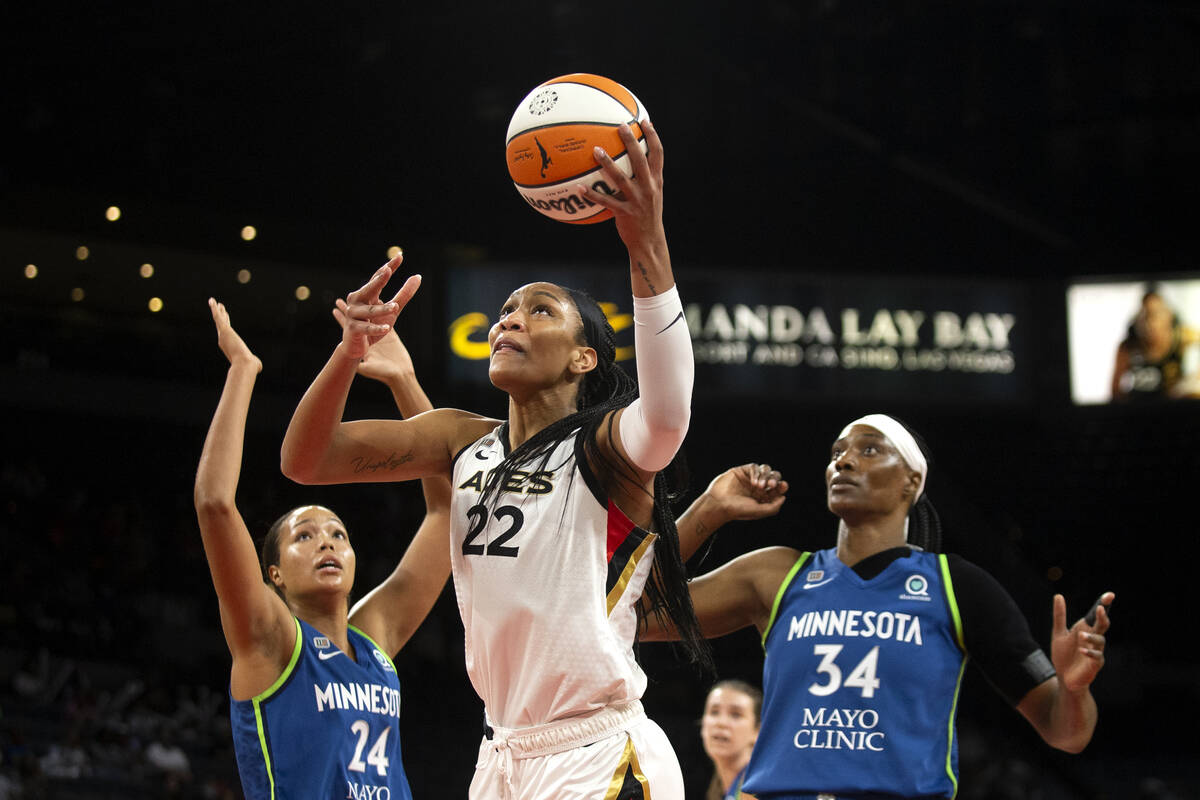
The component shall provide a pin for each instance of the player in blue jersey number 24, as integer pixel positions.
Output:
(314, 695)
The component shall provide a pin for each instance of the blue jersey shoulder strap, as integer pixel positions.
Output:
(779, 595)
(951, 600)
(258, 700)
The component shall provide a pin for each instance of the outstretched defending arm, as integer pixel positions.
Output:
(320, 448)
(1062, 709)
(731, 597)
(256, 623)
(724, 598)
(392, 611)
(749, 491)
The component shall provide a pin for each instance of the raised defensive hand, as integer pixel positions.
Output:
(386, 360)
(228, 340)
(1078, 653)
(749, 491)
(366, 318)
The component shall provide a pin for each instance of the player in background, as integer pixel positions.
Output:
(728, 730)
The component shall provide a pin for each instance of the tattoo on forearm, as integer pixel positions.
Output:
(391, 462)
(646, 278)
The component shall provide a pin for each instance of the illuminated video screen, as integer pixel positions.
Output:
(1134, 340)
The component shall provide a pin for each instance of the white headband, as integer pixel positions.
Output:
(901, 438)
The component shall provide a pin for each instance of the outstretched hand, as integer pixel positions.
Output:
(749, 491)
(365, 317)
(1078, 652)
(231, 344)
(637, 199)
(387, 360)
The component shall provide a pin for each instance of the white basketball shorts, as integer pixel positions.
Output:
(615, 754)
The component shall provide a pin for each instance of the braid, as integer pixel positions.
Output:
(667, 588)
(924, 525)
(605, 389)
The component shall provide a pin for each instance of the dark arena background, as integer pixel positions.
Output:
(947, 212)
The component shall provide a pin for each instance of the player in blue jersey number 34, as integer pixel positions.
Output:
(866, 642)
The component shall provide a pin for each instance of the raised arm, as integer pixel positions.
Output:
(256, 623)
(392, 611)
(637, 210)
(733, 596)
(1061, 708)
(389, 362)
(749, 491)
(320, 448)
(650, 431)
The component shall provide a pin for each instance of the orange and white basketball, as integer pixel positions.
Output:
(551, 136)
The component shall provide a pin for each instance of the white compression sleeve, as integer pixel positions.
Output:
(653, 426)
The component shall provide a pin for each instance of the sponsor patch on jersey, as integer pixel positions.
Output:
(320, 642)
(916, 588)
(383, 660)
(814, 576)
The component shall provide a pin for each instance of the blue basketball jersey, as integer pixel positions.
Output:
(328, 728)
(860, 682)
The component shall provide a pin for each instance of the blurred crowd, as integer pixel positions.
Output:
(100, 695)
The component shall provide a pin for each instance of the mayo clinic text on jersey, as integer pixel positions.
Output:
(840, 729)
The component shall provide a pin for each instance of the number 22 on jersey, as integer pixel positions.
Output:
(479, 514)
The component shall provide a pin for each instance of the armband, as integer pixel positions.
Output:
(653, 426)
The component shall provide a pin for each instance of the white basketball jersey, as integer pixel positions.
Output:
(547, 575)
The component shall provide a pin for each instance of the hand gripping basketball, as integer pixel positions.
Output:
(637, 199)
(550, 141)
(364, 317)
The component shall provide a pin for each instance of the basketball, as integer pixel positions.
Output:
(551, 136)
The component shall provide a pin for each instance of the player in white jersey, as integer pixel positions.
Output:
(581, 588)
(556, 672)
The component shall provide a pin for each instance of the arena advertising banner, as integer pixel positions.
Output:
(763, 335)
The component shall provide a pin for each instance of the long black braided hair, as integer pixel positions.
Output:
(604, 389)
